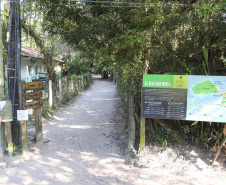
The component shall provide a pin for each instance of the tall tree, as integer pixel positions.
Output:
(1, 59)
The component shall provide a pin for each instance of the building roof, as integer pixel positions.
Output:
(32, 53)
(28, 52)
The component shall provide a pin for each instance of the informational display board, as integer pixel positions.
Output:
(184, 97)
(6, 113)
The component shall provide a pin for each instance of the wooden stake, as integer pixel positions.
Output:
(66, 87)
(142, 135)
(38, 125)
(8, 137)
(50, 93)
(82, 82)
(24, 138)
(142, 119)
(60, 86)
(131, 125)
(132, 129)
(72, 87)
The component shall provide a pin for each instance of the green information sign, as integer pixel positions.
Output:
(164, 96)
(6, 113)
(186, 97)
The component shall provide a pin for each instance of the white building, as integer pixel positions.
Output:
(33, 63)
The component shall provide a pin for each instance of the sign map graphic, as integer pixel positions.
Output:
(184, 97)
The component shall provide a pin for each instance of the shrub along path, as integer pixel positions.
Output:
(83, 150)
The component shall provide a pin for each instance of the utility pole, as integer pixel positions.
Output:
(2, 130)
(14, 66)
(1, 59)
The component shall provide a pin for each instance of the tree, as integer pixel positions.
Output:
(176, 37)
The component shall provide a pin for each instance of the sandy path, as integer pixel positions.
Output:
(81, 151)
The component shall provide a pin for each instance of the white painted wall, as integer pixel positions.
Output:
(29, 67)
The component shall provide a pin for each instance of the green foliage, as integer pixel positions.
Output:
(164, 145)
(76, 68)
(132, 40)
(47, 111)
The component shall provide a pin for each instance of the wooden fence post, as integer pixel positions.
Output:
(8, 137)
(142, 135)
(2, 137)
(72, 87)
(60, 89)
(38, 125)
(50, 93)
(142, 119)
(66, 87)
(131, 124)
(114, 79)
(24, 138)
(77, 85)
(82, 82)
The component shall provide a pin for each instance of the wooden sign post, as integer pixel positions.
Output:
(0, 117)
(6, 117)
(35, 104)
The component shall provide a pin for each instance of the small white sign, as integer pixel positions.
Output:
(22, 115)
(30, 111)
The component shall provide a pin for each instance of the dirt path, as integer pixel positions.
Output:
(82, 151)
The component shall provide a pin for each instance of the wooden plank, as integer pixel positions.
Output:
(38, 125)
(24, 138)
(34, 104)
(32, 95)
(32, 85)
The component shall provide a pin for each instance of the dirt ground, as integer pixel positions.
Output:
(84, 145)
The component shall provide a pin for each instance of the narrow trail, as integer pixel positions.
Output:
(80, 148)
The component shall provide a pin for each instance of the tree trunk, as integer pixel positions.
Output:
(48, 53)
(1, 62)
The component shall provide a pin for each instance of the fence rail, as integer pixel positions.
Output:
(55, 93)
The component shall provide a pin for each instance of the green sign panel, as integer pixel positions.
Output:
(165, 81)
(6, 113)
(185, 97)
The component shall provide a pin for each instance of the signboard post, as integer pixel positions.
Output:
(6, 117)
(35, 104)
(22, 116)
(2, 135)
(185, 97)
